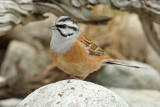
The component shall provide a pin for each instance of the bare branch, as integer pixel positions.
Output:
(14, 12)
(151, 34)
(149, 13)
(149, 8)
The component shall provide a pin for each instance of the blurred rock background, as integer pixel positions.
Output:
(25, 63)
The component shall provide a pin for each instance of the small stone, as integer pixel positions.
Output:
(2, 79)
(12, 102)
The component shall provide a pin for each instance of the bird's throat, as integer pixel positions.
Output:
(61, 44)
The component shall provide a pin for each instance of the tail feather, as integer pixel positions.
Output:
(116, 62)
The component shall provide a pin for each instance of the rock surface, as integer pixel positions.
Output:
(152, 57)
(37, 30)
(31, 59)
(139, 98)
(9, 102)
(127, 77)
(72, 93)
(2, 79)
(133, 45)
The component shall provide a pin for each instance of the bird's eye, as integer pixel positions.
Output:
(64, 26)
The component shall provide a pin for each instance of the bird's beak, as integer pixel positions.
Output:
(53, 27)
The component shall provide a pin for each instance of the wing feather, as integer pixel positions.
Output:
(92, 48)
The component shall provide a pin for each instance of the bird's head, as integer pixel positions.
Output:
(66, 27)
(65, 33)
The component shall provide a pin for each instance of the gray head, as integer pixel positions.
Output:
(65, 26)
(65, 33)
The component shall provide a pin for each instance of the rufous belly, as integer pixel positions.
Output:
(76, 60)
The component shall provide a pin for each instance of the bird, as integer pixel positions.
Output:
(74, 53)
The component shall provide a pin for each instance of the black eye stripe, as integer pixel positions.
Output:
(61, 26)
(64, 26)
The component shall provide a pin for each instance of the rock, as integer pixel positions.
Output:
(37, 30)
(31, 59)
(132, 38)
(127, 77)
(72, 93)
(2, 79)
(139, 98)
(152, 57)
(9, 102)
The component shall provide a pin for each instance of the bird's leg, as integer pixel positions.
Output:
(85, 76)
(78, 78)
(70, 76)
(75, 77)
(81, 78)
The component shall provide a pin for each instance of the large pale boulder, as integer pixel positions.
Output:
(128, 77)
(72, 93)
(30, 59)
(139, 98)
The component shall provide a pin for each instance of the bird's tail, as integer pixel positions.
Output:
(118, 62)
